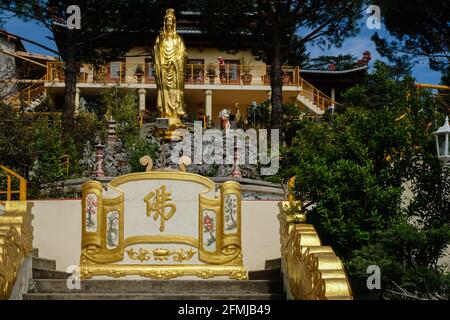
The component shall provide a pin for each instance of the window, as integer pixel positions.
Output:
(150, 71)
(233, 71)
(117, 70)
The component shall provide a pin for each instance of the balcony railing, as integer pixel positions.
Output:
(118, 72)
(195, 74)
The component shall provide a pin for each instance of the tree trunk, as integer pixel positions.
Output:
(276, 83)
(70, 72)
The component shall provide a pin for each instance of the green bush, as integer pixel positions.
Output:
(138, 148)
(351, 169)
(122, 104)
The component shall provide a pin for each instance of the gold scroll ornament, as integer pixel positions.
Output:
(178, 255)
(311, 271)
(217, 245)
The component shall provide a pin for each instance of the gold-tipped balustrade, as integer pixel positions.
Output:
(16, 232)
(310, 270)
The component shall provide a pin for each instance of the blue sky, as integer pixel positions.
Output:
(355, 46)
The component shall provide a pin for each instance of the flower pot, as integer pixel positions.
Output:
(139, 77)
(246, 78)
(211, 78)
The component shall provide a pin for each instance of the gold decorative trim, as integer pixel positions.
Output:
(16, 238)
(178, 255)
(159, 239)
(163, 272)
(96, 256)
(311, 271)
(162, 175)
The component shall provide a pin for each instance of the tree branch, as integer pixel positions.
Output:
(327, 22)
(35, 43)
(30, 16)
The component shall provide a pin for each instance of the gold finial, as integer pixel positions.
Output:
(184, 162)
(147, 162)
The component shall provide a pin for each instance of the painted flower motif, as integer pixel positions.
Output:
(209, 227)
(91, 210)
(230, 212)
(91, 201)
(208, 223)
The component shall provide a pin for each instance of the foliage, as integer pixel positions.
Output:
(138, 148)
(407, 257)
(277, 31)
(87, 127)
(428, 37)
(48, 150)
(258, 115)
(96, 41)
(122, 105)
(31, 144)
(352, 172)
(342, 62)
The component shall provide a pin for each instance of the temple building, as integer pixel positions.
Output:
(214, 78)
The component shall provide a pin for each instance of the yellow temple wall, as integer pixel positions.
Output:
(57, 232)
(209, 55)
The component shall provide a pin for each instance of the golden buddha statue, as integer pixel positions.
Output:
(170, 60)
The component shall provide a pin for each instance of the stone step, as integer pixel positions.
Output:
(268, 274)
(49, 274)
(41, 263)
(273, 263)
(169, 287)
(148, 296)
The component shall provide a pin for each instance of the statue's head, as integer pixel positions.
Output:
(170, 20)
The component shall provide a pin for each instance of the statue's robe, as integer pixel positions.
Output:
(170, 60)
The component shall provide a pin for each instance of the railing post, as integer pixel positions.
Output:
(22, 189)
(120, 73)
(8, 188)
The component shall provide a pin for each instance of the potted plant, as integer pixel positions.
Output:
(246, 75)
(211, 72)
(139, 73)
(100, 73)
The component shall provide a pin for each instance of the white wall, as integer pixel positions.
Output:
(57, 232)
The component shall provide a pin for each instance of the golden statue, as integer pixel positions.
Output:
(170, 60)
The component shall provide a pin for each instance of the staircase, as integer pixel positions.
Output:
(31, 96)
(49, 284)
(313, 99)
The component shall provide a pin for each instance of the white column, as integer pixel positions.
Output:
(208, 105)
(333, 96)
(77, 100)
(141, 100)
